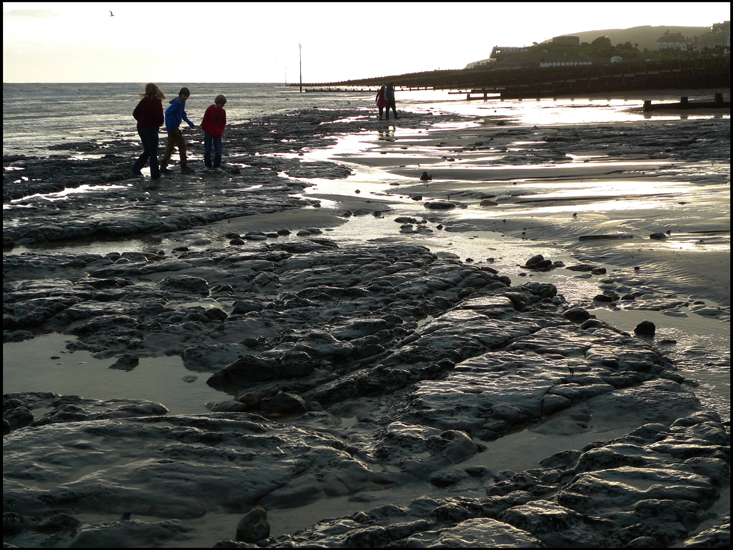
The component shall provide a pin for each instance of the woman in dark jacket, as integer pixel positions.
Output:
(389, 96)
(149, 116)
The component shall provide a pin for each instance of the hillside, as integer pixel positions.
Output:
(645, 37)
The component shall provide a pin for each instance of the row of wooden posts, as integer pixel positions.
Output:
(556, 81)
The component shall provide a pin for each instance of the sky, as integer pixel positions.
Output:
(270, 41)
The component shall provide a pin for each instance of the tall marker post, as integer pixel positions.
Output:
(300, 52)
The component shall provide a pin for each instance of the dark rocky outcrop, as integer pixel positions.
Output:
(384, 378)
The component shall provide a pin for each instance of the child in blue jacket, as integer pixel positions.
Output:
(173, 117)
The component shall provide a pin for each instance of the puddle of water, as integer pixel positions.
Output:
(101, 247)
(27, 366)
(679, 337)
(63, 195)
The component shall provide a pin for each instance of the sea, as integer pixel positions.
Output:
(38, 116)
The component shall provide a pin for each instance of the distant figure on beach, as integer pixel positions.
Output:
(149, 116)
(215, 118)
(173, 116)
(389, 96)
(381, 101)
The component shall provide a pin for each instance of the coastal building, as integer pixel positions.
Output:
(671, 41)
(544, 64)
(719, 35)
(497, 54)
(500, 52)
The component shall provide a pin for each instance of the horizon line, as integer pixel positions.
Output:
(147, 81)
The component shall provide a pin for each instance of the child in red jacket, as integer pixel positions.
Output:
(213, 124)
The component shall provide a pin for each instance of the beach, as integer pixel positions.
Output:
(428, 322)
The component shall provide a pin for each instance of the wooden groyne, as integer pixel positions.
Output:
(684, 103)
(550, 82)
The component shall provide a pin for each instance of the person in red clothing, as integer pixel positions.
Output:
(149, 116)
(215, 118)
(381, 101)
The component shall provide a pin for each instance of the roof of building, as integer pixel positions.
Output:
(671, 37)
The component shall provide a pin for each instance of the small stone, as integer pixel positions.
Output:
(60, 522)
(577, 315)
(255, 236)
(645, 328)
(444, 479)
(126, 362)
(12, 523)
(284, 403)
(439, 205)
(477, 471)
(251, 342)
(18, 417)
(250, 399)
(253, 526)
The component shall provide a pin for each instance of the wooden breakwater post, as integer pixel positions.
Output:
(685, 103)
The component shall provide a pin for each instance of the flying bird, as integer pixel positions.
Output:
(111, 14)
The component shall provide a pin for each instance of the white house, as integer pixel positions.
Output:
(671, 41)
(497, 51)
(719, 35)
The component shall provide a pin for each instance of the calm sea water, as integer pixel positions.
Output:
(36, 116)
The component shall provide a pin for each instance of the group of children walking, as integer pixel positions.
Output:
(150, 117)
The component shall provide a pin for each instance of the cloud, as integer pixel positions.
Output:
(36, 14)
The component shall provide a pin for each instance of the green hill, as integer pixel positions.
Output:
(645, 37)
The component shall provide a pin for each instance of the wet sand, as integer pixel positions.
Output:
(557, 203)
(591, 198)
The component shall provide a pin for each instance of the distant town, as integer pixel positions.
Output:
(606, 61)
(684, 42)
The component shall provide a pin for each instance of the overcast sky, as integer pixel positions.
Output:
(258, 42)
